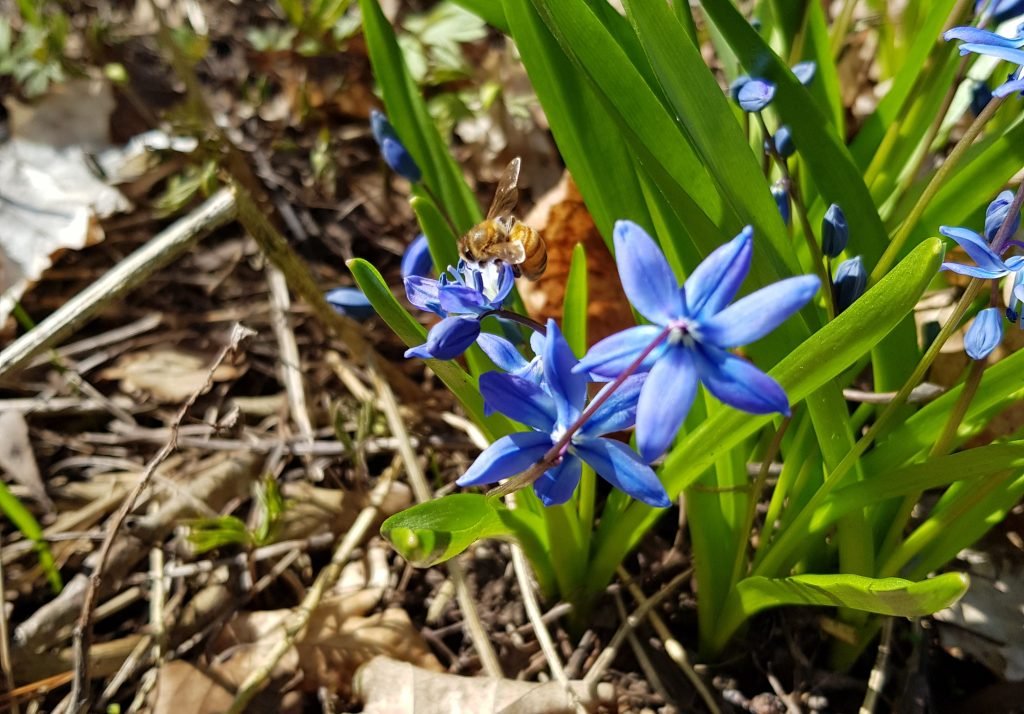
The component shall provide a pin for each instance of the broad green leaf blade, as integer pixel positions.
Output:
(412, 333)
(574, 307)
(433, 532)
(29, 527)
(885, 596)
(408, 113)
(820, 358)
(976, 463)
(837, 177)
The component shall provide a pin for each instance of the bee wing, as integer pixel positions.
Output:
(507, 195)
(511, 252)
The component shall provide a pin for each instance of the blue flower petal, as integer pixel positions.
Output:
(974, 36)
(400, 160)
(461, 300)
(568, 389)
(849, 283)
(381, 127)
(714, 283)
(502, 352)
(506, 457)
(751, 318)
(1007, 88)
(973, 271)
(448, 339)
(556, 485)
(425, 294)
(647, 279)
(975, 246)
(995, 215)
(519, 399)
(805, 71)
(610, 357)
(620, 466)
(755, 95)
(1005, 52)
(351, 302)
(736, 85)
(738, 383)
(665, 400)
(618, 412)
(416, 259)
(984, 334)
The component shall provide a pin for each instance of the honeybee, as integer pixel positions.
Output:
(502, 236)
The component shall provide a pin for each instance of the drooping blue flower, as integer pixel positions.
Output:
(998, 10)
(551, 409)
(506, 357)
(416, 259)
(984, 334)
(849, 283)
(835, 233)
(696, 326)
(995, 216)
(755, 94)
(350, 302)
(392, 149)
(983, 42)
(781, 196)
(462, 296)
(989, 264)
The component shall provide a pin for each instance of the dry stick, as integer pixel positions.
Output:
(673, 648)
(880, 670)
(120, 280)
(294, 630)
(83, 630)
(547, 645)
(421, 490)
(5, 649)
(641, 654)
(291, 370)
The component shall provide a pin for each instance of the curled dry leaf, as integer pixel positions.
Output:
(386, 685)
(167, 374)
(563, 220)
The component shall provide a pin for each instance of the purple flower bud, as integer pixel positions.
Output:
(984, 334)
(350, 302)
(834, 231)
(416, 260)
(781, 196)
(805, 71)
(995, 215)
(736, 86)
(784, 142)
(391, 147)
(849, 283)
(981, 95)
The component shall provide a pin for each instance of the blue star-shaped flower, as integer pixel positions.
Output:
(989, 263)
(983, 42)
(697, 325)
(462, 296)
(551, 409)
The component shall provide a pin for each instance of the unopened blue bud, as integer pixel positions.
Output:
(995, 216)
(350, 302)
(416, 260)
(391, 147)
(755, 95)
(834, 231)
(1012, 316)
(849, 283)
(781, 196)
(984, 334)
(805, 71)
(736, 86)
(784, 142)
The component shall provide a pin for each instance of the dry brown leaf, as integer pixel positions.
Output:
(563, 220)
(182, 687)
(386, 686)
(314, 510)
(17, 458)
(167, 374)
(339, 639)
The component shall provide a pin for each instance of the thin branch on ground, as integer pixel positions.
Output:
(83, 630)
(880, 670)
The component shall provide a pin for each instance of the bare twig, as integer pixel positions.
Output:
(880, 670)
(641, 655)
(294, 629)
(83, 630)
(5, 650)
(120, 280)
(421, 490)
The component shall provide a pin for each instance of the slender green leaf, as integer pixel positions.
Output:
(886, 596)
(441, 241)
(574, 308)
(29, 527)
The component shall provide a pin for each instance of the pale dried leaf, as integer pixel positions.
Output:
(182, 687)
(385, 686)
(17, 457)
(166, 374)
